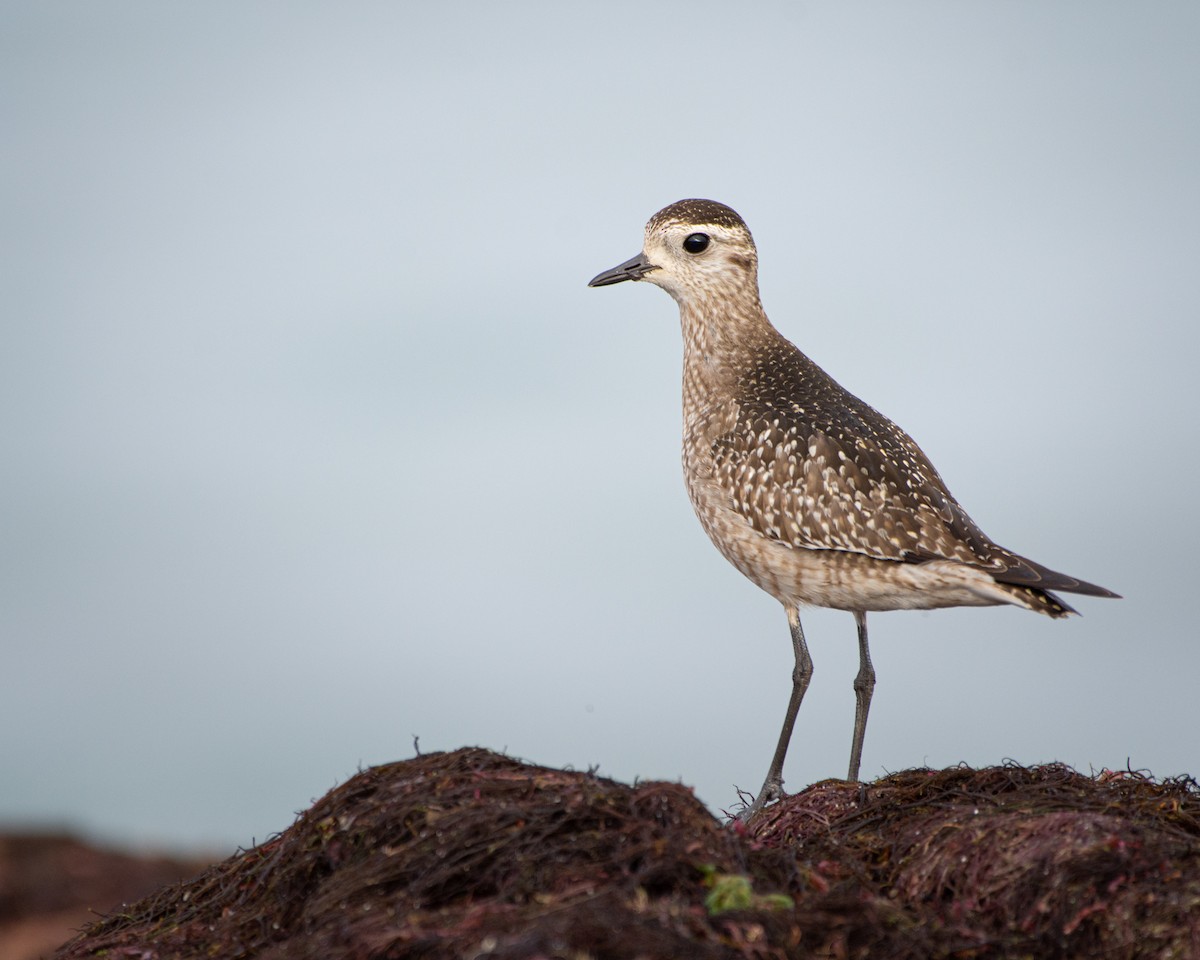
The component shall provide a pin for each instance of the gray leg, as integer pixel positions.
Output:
(864, 686)
(772, 788)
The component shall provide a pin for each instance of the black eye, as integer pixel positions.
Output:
(696, 243)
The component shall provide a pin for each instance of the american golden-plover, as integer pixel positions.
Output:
(808, 491)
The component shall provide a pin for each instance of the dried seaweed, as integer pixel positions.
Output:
(472, 854)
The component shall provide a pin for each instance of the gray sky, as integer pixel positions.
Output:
(314, 438)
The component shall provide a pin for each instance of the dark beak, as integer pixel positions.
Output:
(633, 269)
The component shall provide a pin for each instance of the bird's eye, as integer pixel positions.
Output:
(696, 242)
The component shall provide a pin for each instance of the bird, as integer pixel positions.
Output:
(813, 495)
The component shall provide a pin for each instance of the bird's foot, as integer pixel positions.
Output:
(772, 790)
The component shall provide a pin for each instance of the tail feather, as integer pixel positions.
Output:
(1040, 601)
(1023, 572)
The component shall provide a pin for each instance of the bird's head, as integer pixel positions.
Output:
(695, 250)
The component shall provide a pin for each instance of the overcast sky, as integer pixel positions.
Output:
(314, 438)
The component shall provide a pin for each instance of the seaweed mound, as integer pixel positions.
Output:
(476, 855)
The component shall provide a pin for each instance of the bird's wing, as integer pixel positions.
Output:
(831, 473)
(809, 488)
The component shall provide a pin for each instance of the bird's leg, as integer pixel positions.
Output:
(772, 788)
(864, 686)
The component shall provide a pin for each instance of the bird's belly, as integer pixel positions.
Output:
(835, 578)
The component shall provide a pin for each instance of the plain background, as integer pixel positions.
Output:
(315, 440)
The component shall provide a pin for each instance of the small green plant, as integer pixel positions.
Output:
(732, 891)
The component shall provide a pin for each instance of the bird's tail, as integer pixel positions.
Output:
(1039, 601)
(1029, 584)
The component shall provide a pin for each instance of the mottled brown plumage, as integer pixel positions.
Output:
(811, 493)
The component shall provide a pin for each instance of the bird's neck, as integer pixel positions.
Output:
(720, 342)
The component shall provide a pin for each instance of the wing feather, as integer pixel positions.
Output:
(828, 472)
